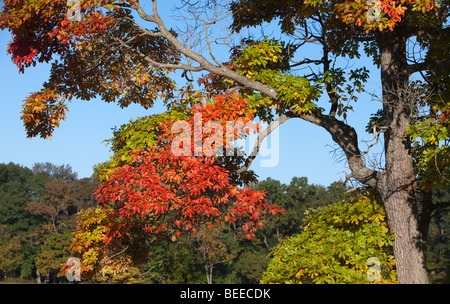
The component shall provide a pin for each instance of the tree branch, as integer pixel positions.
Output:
(346, 137)
(202, 61)
(427, 65)
(260, 139)
(170, 66)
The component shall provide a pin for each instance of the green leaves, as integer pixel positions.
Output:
(430, 138)
(263, 61)
(335, 245)
(139, 133)
(260, 54)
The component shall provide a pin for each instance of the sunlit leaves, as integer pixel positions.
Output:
(370, 15)
(266, 61)
(148, 190)
(43, 112)
(431, 151)
(91, 59)
(335, 245)
(379, 14)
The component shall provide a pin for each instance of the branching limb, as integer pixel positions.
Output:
(204, 64)
(346, 137)
(260, 139)
(169, 66)
(428, 65)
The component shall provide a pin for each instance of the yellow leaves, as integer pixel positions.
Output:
(42, 112)
(378, 218)
(299, 274)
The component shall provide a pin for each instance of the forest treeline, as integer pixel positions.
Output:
(38, 215)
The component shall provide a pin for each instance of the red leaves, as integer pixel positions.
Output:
(380, 14)
(444, 116)
(148, 190)
(162, 191)
(40, 28)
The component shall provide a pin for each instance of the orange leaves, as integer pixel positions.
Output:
(379, 14)
(40, 28)
(42, 112)
(163, 191)
(159, 192)
(213, 127)
(87, 65)
(148, 189)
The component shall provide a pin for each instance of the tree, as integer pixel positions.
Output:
(211, 250)
(11, 257)
(82, 192)
(338, 244)
(53, 255)
(296, 197)
(159, 192)
(112, 55)
(63, 172)
(437, 245)
(55, 202)
(343, 26)
(18, 186)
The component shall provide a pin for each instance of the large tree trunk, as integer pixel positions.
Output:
(398, 191)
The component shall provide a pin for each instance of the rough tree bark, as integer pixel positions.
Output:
(398, 191)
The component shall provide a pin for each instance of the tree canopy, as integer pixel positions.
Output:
(124, 52)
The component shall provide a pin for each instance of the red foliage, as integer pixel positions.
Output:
(40, 28)
(179, 193)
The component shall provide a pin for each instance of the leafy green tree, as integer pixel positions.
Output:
(53, 255)
(18, 186)
(250, 265)
(11, 256)
(82, 190)
(53, 171)
(338, 244)
(37, 213)
(295, 198)
(438, 244)
(173, 263)
(276, 193)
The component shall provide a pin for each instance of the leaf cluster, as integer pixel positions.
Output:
(335, 245)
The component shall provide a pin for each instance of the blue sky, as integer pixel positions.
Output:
(305, 150)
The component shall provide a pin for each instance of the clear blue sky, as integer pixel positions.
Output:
(305, 150)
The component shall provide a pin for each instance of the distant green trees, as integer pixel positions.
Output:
(325, 235)
(236, 260)
(438, 242)
(38, 207)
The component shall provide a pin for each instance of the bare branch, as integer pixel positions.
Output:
(209, 46)
(204, 64)
(169, 66)
(346, 137)
(260, 139)
(427, 65)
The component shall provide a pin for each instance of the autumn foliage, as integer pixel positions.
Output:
(147, 189)
(160, 192)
